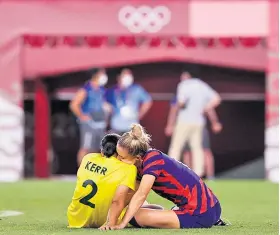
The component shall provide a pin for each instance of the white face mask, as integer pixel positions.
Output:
(103, 80)
(127, 80)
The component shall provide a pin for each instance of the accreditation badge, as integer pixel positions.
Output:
(128, 113)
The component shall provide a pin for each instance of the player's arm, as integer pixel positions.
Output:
(150, 173)
(138, 199)
(75, 105)
(146, 204)
(119, 202)
(132, 192)
(122, 197)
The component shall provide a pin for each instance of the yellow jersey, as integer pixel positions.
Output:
(98, 178)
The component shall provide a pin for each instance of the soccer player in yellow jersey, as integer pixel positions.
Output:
(103, 189)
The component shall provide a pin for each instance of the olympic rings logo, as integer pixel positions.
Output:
(144, 18)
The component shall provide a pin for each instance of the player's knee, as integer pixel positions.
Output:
(145, 218)
(141, 218)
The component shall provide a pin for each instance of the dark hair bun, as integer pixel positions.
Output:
(109, 144)
(109, 149)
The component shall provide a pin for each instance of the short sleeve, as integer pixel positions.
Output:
(181, 93)
(86, 87)
(209, 92)
(143, 95)
(153, 164)
(129, 179)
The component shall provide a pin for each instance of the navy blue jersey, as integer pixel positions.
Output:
(177, 183)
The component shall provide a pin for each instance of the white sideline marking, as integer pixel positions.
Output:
(10, 213)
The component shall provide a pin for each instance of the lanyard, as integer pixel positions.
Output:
(98, 97)
(122, 97)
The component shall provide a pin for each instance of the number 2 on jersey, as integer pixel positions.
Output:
(85, 199)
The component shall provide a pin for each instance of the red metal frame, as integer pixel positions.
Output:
(42, 130)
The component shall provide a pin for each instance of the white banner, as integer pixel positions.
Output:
(11, 141)
(272, 153)
(272, 97)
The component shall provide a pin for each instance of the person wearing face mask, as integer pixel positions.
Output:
(91, 109)
(130, 102)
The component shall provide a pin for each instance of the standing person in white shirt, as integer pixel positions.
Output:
(195, 99)
(216, 127)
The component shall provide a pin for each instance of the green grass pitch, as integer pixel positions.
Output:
(251, 207)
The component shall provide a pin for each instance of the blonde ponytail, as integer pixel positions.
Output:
(137, 131)
(136, 141)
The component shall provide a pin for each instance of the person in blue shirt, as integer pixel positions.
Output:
(91, 109)
(130, 102)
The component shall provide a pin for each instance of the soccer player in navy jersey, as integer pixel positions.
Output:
(197, 206)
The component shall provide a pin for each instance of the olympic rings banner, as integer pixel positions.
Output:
(123, 17)
(144, 18)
